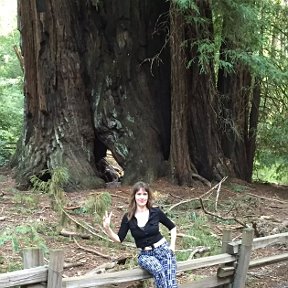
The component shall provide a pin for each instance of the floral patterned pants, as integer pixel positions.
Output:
(161, 263)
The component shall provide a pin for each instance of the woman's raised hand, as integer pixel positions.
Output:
(107, 220)
(106, 224)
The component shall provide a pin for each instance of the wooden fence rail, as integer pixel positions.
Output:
(233, 262)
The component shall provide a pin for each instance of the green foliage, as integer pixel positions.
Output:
(9, 66)
(27, 201)
(10, 266)
(200, 233)
(185, 5)
(196, 229)
(272, 157)
(237, 187)
(241, 23)
(11, 96)
(22, 236)
(254, 35)
(272, 138)
(38, 184)
(277, 129)
(53, 186)
(97, 204)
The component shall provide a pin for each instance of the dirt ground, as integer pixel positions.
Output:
(266, 205)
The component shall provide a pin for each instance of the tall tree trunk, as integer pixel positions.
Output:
(239, 93)
(239, 105)
(253, 123)
(130, 84)
(58, 121)
(182, 168)
(195, 145)
(94, 81)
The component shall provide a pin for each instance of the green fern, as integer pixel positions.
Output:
(53, 187)
(97, 204)
(22, 236)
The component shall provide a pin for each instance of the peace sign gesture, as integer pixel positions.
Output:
(107, 220)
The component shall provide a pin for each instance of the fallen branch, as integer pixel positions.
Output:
(102, 268)
(199, 250)
(72, 207)
(182, 202)
(217, 185)
(220, 217)
(266, 198)
(112, 194)
(119, 196)
(66, 233)
(202, 179)
(217, 196)
(236, 237)
(110, 265)
(70, 265)
(93, 251)
(187, 236)
(85, 227)
(190, 249)
(197, 198)
(176, 196)
(257, 274)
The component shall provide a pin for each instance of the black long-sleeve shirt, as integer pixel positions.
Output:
(150, 233)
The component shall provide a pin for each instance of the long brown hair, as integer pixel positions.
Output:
(132, 203)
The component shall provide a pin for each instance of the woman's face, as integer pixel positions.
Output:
(141, 197)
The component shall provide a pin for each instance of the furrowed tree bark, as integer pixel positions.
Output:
(205, 149)
(182, 167)
(239, 90)
(58, 120)
(130, 83)
(239, 110)
(94, 81)
(195, 145)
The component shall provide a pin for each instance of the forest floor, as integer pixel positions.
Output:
(265, 205)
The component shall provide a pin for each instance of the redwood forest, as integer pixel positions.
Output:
(190, 96)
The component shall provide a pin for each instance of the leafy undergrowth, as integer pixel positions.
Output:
(27, 220)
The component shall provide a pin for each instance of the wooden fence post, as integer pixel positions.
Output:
(224, 269)
(33, 257)
(55, 269)
(226, 238)
(244, 258)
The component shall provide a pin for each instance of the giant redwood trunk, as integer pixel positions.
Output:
(130, 84)
(182, 167)
(58, 121)
(239, 109)
(92, 84)
(195, 145)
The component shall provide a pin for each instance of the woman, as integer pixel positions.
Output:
(143, 221)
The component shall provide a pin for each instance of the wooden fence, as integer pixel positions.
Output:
(233, 264)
